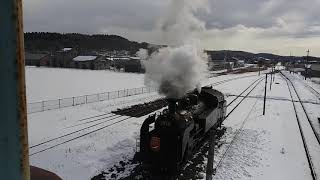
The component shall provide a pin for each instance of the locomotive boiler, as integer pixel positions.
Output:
(168, 138)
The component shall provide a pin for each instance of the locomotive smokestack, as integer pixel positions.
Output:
(172, 105)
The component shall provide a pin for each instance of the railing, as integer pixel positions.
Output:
(78, 100)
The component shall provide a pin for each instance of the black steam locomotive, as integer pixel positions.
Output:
(166, 139)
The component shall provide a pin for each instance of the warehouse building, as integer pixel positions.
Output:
(36, 59)
(89, 62)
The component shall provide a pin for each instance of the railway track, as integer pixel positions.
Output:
(112, 117)
(243, 122)
(60, 140)
(311, 89)
(304, 110)
(302, 133)
(231, 79)
(243, 97)
(275, 98)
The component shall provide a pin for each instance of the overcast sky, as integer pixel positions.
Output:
(276, 26)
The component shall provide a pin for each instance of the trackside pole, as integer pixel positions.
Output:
(270, 81)
(14, 156)
(210, 170)
(274, 74)
(265, 94)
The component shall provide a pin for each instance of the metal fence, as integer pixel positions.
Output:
(78, 100)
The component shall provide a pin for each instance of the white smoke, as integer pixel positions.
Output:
(142, 54)
(176, 70)
(179, 25)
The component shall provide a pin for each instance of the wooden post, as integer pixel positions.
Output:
(210, 170)
(14, 155)
(273, 73)
(265, 95)
(72, 101)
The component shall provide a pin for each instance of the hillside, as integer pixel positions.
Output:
(248, 56)
(45, 41)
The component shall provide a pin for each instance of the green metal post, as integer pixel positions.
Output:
(14, 159)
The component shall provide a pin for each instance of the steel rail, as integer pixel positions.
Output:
(243, 91)
(85, 134)
(68, 134)
(242, 124)
(311, 166)
(305, 111)
(243, 99)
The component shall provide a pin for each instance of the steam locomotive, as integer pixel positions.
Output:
(168, 138)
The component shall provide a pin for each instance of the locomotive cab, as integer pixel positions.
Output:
(166, 143)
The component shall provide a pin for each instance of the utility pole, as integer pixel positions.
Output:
(270, 80)
(273, 73)
(265, 94)
(305, 65)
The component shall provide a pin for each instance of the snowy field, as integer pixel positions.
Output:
(266, 147)
(54, 83)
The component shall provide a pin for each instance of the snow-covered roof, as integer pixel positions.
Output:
(307, 66)
(135, 58)
(84, 58)
(66, 49)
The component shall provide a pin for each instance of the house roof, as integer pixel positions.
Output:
(34, 56)
(84, 58)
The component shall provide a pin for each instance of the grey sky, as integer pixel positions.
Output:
(277, 26)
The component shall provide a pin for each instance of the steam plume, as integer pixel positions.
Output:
(175, 70)
(142, 53)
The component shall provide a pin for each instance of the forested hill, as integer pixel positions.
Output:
(45, 41)
(251, 56)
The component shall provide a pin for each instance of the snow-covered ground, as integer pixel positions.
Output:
(54, 83)
(267, 147)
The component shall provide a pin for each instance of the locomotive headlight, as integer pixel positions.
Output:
(155, 144)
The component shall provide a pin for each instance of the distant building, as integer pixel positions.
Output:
(33, 59)
(217, 64)
(63, 58)
(89, 62)
(236, 62)
(315, 70)
(127, 63)
(241, 63)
